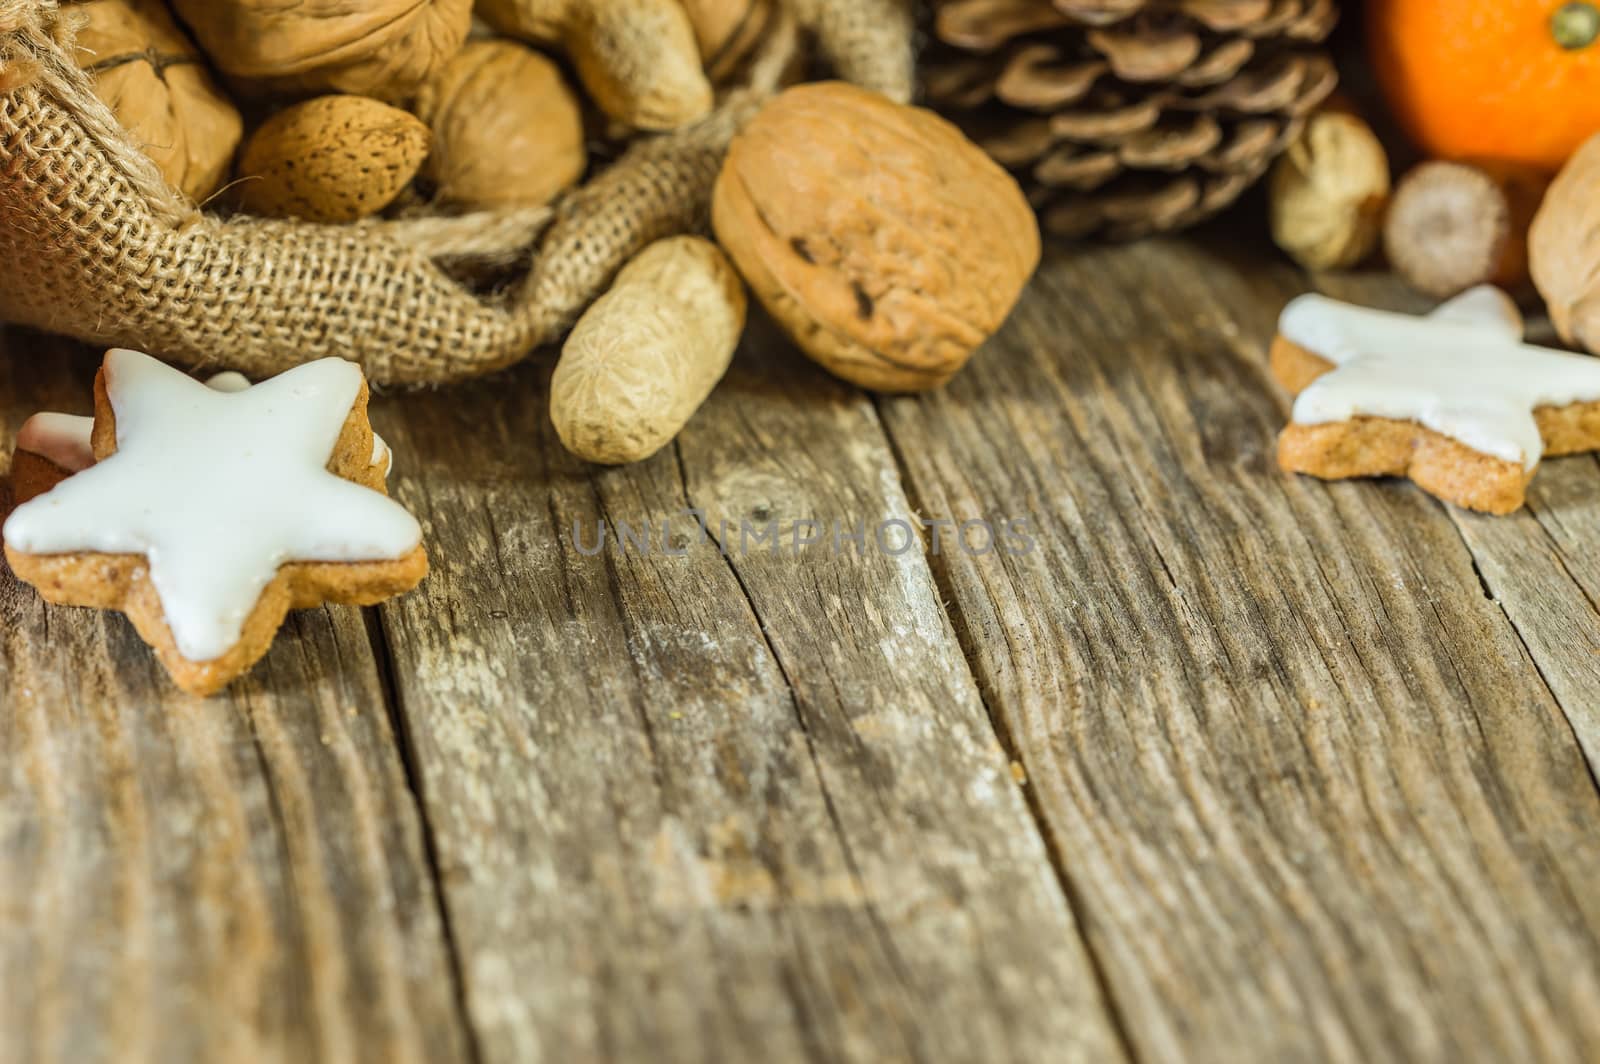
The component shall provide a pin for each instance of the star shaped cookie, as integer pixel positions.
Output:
(51, 447)
(1455, 400)
(209, 513)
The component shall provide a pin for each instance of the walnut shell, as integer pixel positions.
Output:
(507, 130)
(887, 244)
(382, 48)
(1564, 248)
(1328, 193)
(157, 85)
(332, 159)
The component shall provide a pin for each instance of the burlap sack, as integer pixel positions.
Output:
(95, 245)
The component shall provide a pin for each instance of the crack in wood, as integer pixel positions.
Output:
(410, 765)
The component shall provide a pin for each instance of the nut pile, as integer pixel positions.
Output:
(357, 105)
(887, 244)
(884, 242)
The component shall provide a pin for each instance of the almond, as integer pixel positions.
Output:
(332, 159)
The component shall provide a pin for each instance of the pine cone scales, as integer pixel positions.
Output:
(1127, 117)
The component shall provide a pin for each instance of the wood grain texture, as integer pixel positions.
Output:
(1539, 565)
(1306, 759)
(1542, 569)
(1316, 799)
(706, 808)
(241, 878)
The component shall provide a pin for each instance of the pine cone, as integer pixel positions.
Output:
(1128, 117)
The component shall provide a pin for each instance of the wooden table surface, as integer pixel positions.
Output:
(1230, 766)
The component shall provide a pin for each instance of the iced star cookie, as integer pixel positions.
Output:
(51, 447)
(1456, 400)
(208, 513)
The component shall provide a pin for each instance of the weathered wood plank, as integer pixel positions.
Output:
(1538, 564)
(241, 878)
(1315, 798)
(1542, 570)
(891, 711)
(673, 827)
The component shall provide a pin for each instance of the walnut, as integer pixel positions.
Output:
(1328, 193)
(382, 48)
(157, 85)
(886, 243)
(332, 159)
(1564, 248)
(506, 128)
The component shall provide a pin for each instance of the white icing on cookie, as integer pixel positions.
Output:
(65, 438)
(61, 438)
(230, 381)
(217, 490)
(1486, 307)
(1463, 371)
